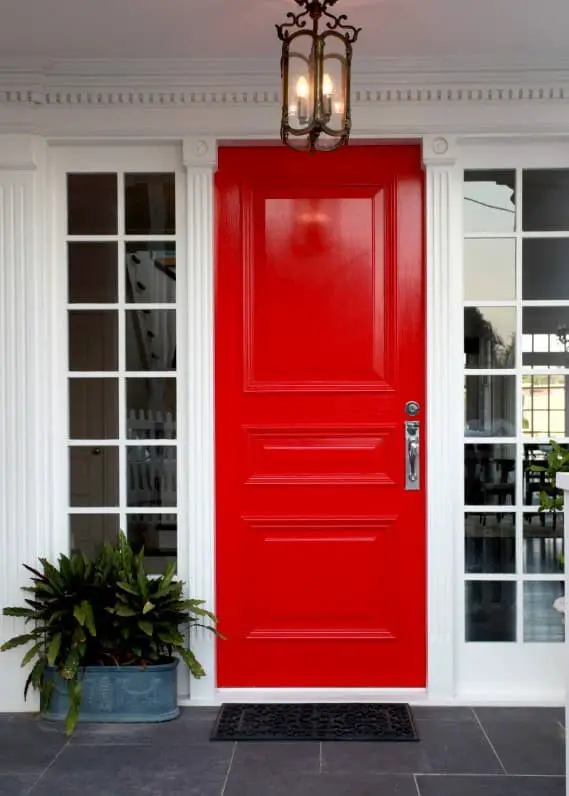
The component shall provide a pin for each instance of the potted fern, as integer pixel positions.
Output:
(105, 637)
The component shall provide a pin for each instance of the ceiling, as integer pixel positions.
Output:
(497, 31)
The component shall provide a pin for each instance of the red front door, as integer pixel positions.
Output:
(320, 342)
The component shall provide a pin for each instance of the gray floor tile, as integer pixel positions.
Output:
(28, 746)
(532, 715)
(276, 758)
(528, 747)
(16, 784)
(133, 771)
(193, 726)
(491, 786)
(265, 784)
(445, 747)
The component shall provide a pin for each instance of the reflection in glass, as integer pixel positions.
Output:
(543, 542)
(545, 264)
(490, 406)
(90, 531)
(490, 337)
(545, 341)
(489, 201)
(92, 204)
(544, 405)
(489, 269)
(490, 474)
(490, 610)
(542, 622)
(157, 534)
(94, 476)
(151, 408)
(92, 272)
(151, 476)
(150, 340)
(150, 204)
(546, 195)
(93, 340)
(490, 543)
(93, 409)
(150, 273)
(536, 482)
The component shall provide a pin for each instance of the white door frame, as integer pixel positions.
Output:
(444, 429)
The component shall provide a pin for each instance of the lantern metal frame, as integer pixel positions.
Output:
(297, 27)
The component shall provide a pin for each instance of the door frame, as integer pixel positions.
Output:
(443, 258)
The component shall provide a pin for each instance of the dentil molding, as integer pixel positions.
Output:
(222, 83)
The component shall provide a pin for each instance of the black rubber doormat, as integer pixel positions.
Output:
(315, 722)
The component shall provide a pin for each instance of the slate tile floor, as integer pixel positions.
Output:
(463, 752)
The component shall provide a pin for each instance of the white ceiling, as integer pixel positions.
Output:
(495, 30)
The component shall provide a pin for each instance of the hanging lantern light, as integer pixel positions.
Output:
(315, 71)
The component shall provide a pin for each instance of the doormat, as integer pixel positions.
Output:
(348, 721)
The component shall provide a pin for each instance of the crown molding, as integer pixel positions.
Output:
(220, 82)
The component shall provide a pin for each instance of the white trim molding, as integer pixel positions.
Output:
(200, 160)
(24, 400)
(444, 402)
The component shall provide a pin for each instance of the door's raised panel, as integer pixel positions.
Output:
(298, 588)
(317, 288)
(350, 455)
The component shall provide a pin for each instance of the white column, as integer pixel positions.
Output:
(562, 482)
(25, 520)
(445, 426)
(200, 159)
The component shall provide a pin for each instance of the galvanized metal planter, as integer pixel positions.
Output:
(119, 694)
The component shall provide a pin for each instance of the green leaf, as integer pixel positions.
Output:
(79, 613)
(125, 587)
(19, 612)
(35, 678)
(148, 606)
(53, 649)
(17, 641)
(192, 663)
(89, 617)
(146, 627)
(125, 610)
(31, 654)
(74, 691)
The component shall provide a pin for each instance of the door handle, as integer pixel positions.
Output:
(412, 455)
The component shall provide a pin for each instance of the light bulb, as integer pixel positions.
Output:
(327, 86)
(302, 88)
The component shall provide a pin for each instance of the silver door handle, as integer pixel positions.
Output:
(412, 452)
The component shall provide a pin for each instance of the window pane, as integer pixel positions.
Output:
(543, 542)
(94, 476)
(151, 340)
(151, 476)
(93, 409)
(536, 482)
(151, 408)
(150, 272)
(490, 337)
(90, 531)
(546, 200)
(489, 269)
(544, 405)
(489, 474)
(150, 204)
(490, 406)
(490, 610)
(545, 342)
(92, 204)
(542, 622)
(490, 543)
(157, 534)
(489, 201)
(93, 340)
(92, 272)
(545, 266)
